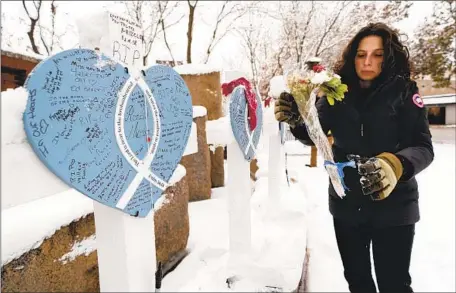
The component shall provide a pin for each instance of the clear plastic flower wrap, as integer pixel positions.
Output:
(305, 86)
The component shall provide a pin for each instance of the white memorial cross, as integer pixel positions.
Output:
(125, 244)
(239, 189)
(276, 158)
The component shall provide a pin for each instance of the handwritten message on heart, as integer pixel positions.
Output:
(113, 136)
(246, 139)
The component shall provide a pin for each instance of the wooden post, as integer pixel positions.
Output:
(125, 250)
(313, 156)
(125, 244)
(238, 189)
(276, 159)
(275, 166)
(239, 195)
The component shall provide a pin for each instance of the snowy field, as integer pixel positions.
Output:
(279, 234)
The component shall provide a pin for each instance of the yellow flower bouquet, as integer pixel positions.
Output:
(305, 87)
(326, 83)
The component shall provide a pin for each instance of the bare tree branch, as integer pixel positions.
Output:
(237, 11)
(33, 21)
(152, 16)
(214, 33)
(322, 50)
(162, 9)
(49, 47)
(304, 35)
(251, 40)
(331, 25)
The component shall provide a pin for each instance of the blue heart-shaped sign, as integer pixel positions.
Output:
(246, 139)
(115, 137)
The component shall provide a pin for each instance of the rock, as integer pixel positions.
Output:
(49, 269)
(198, 165)
(41, 270)
(217, 167)
(205, 90)
(172, 224)
(253, 169)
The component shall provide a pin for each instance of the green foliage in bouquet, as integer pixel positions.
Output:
(334, 90)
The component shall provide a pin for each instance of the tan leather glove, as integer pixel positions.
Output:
(379, 175)
(286, 110)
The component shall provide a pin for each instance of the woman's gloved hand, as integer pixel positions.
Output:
(286, 110)
(379, 175)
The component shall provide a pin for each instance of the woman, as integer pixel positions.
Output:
(381, 119)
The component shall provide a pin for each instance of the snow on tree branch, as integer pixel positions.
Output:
(230, 12)
(153, 18)
(44, 29)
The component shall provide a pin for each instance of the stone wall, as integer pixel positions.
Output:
(217, 166)
(198, 165)
(205, 91)
(50, 267)
(40, 269)
(172, 225)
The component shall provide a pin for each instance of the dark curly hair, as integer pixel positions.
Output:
(396, 55)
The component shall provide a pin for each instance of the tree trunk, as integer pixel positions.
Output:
(190, 31)
(33, 21)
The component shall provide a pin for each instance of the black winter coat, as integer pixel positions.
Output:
(383, 120)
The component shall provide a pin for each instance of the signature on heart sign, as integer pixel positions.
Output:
(247, 139)
(113, 136)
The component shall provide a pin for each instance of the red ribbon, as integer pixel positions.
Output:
(318, 68)
(227, 88)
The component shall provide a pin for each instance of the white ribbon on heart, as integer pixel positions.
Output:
(250, 136)
(141, 166)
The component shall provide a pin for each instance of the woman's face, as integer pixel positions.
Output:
(369, 58)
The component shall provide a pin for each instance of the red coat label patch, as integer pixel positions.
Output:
(417, 100)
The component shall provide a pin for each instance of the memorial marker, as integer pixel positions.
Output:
(128, 46)
(246, 138)
(86, 120)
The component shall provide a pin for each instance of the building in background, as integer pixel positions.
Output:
(169, 63)
(16, 67)
(441, 109)
(440, 102)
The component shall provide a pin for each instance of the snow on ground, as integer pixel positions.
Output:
(278, 243)
(270, 263)
(279, 238)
